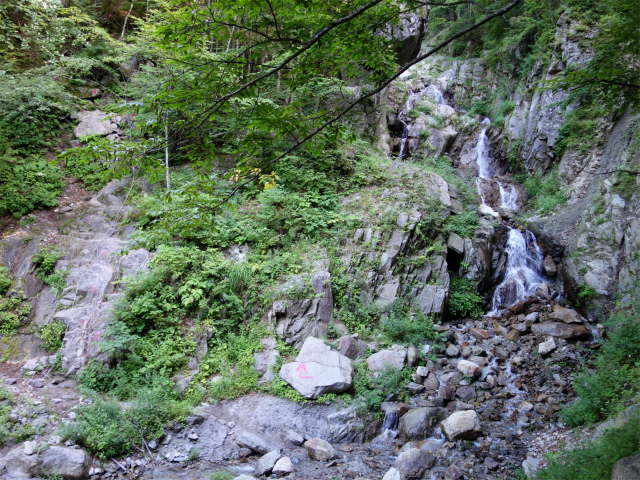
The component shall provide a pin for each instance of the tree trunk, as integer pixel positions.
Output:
(166, 153)
(126, 18)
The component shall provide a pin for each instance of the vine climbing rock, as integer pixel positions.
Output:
(318, 369)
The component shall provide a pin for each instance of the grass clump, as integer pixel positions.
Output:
(51, 335)
(403, 324)
(544, 194)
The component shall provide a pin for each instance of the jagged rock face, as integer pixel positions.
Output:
(94, 261)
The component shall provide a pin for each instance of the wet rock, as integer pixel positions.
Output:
(532, 318)
(431, 382)
(414, 463)
(394, 357)
(452, 473)
(254, 442)
(318, 370)
(352, 347)
(463, 425)
(447, 392)
(627, 468)
(418, 423)
(525, 407)
(451, 378)
(284, 466)
(565, 315)
(318, 449)
(415, 388)
(513, 335)
(265, 464)
(560, 330)
(466, 393)
(549, 266)
(469, 369)
(547, 347)
(245, 477)
(453, 351)
(295, 437)
(500, 330)
(478, 333)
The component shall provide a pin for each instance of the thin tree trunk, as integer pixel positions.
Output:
(126, 18)
(166, 152)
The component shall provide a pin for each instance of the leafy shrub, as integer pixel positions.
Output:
(404, 325)
(44, 263)
(614, 376)
(544, 194)
(463, 299)
(6, 279)
(464, 224)
(585, 294)
(107, 431)
(13, 312)
(371, 390)
(51, 335)
(595, 460)
(26, 183)
(92, 173)
(481, 107)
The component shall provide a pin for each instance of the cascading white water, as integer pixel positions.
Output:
(402, 116)
(403, 141)
(523, 274)
(434, 92)
(524, 258)
(508, 196)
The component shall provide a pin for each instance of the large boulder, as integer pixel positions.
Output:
(318, 449)
(318, 370)
(560, 330)
(265, 464)
(463, 425)
(352, 347)
(565, 315)
(254, 442)
(627, 468)
(64, 462)
(95, 122)
(418, 424)
(414, 463)
(393, 357)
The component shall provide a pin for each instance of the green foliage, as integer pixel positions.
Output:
(464, 300)
(51, 335)
(464, 224)
(108, 431)
(595, 460)
(481, 107)
(44, 262)
(543, 193)
(222, 475)
(6, 279)
(580, 130)
(585, 294)
(614, 376)
(14, 311)
(407, 326)
(93, 173)
(371, 390)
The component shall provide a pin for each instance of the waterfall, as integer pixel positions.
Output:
(524, 257)
(403, 141)
(524, 273)
(508, 196)
(434, 92)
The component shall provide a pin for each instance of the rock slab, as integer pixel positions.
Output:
(463, 425)
(318, 370)
(318, 449)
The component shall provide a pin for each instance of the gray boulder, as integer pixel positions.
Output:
(95, 122)
(283, 466)
(565, 315)
(318, 370)
(265, 464)
(254, 442)
(627, 468)
(414, 463)
(352, 347)
(393, 357)
(64, 462)
(417, 424)
(318, 449)
(560, 330)
(463, 425)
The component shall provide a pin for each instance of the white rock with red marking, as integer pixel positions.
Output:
(318, 369)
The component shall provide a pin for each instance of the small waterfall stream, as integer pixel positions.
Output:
(524, 257)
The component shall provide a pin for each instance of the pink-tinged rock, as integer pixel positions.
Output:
(469, 369)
